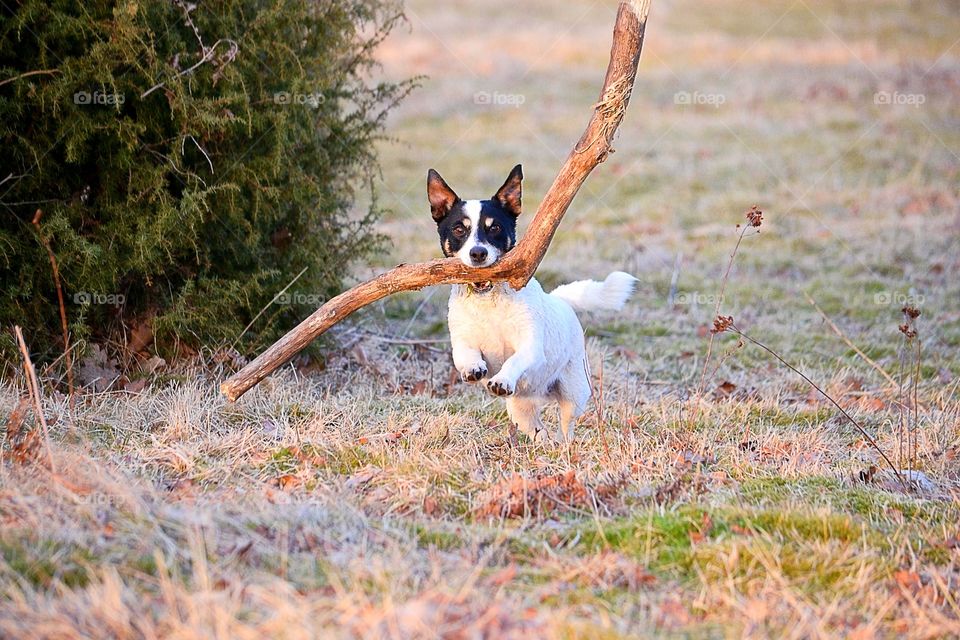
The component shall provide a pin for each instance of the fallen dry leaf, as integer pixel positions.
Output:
(906, 579)
(503, 576)
(183, 489)
(724, 389)
(288, 482)
(871, 403)
(419, 388)
(153, 365)
(141, 335)
(135, 386)
(519, 496)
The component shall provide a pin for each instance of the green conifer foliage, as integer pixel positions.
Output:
(189, 160)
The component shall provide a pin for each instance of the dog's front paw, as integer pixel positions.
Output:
(475, 373)
(500, 387)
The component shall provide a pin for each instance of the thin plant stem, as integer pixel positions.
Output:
(813, 384)
(716, 312)
(601, 418)
(833, 326)
(900, 429)
(916, 410)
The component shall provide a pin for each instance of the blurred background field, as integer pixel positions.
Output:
(808, 110)
(351, 497)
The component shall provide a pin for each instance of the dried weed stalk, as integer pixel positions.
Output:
(754, 220)
(908, 427)
(725, 324)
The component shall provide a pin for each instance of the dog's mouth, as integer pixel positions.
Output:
(481, 287)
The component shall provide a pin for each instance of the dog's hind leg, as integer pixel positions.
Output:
(573, 394)
(525, 413)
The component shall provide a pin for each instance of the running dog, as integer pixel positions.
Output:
(525, 345)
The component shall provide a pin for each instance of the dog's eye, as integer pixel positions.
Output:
(459, 231)
(495, 228)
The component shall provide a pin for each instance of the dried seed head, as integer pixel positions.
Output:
(908, 331)
(755, 216)
(911, 312)
(721, 324)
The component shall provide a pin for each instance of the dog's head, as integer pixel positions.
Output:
(478, 232)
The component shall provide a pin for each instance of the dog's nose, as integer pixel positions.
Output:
(478, 254)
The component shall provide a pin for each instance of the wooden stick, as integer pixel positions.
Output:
(68, 359)
(519, 265)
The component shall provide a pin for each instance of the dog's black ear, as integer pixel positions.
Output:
(441, 196)
(509, 194)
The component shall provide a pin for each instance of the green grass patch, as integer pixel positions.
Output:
(817, 551)
(45, 562)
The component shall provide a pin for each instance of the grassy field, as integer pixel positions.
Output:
(373, 495)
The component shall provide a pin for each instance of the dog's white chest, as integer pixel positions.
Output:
(491, 323)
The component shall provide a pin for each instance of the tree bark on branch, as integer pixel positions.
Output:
(516, 267)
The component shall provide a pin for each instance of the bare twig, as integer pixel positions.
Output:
(67, 357)
(188, 20)
(33, 387)
(202, 150)
(39, 72)
(207, 56)
(518, 266)
(857, 425)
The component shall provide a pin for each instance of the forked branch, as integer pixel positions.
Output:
(518, 266)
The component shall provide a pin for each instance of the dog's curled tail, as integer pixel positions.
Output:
(590, 295)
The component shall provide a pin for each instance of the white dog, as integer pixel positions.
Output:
(527, 345)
